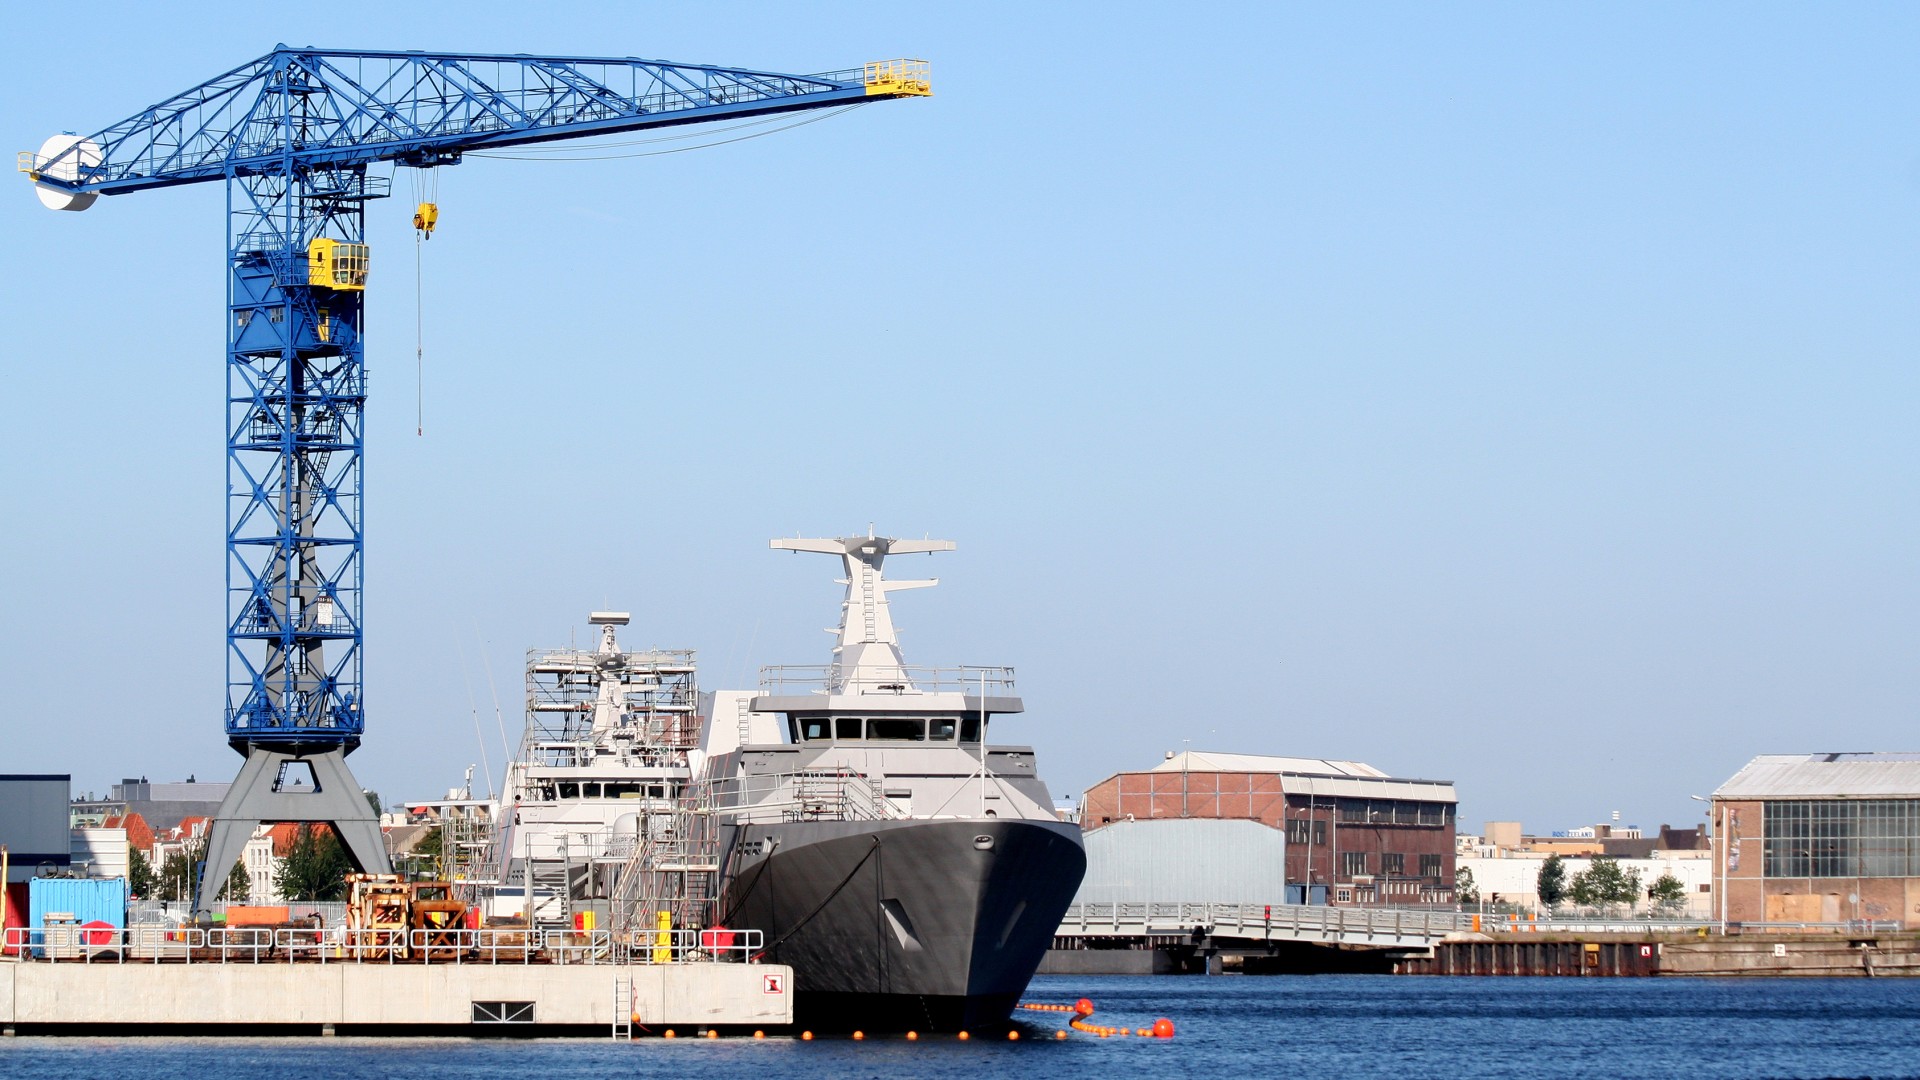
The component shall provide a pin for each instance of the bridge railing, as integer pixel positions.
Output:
(1257, 920)
(1323, 920)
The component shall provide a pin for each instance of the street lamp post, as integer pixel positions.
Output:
(1720, 840)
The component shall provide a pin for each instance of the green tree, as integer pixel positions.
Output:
(179, 871)
(1552, 883)
(141, 880)
(1668, 894)
(1464, 887)
(1604, 884)
(426, 855)
(315, 867)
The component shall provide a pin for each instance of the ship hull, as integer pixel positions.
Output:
(917, 925)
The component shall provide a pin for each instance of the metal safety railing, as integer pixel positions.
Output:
(836, 794)
(260, 945)
(1257, 921)
(780, 679)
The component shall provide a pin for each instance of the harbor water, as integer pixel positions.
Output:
(1226, 1026)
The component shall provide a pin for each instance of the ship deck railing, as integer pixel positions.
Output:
(789, 679)
(804, 795)
(344, 945)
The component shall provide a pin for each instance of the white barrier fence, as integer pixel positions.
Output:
(256, 945)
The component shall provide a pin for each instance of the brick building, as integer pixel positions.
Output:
(1820, 838)
(1351, 833)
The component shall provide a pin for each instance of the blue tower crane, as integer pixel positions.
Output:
(293, 135)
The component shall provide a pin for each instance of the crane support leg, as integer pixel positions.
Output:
(277, 784)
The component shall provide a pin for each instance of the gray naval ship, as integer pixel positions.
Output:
(911, 873)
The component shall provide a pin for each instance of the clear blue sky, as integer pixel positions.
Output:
(1521, 395)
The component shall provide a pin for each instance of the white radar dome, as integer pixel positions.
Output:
(67, 168)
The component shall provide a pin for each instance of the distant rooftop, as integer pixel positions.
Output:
(1313, 776)
(1817, 776)
(1202, 761)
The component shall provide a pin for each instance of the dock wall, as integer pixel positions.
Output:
(375, 998)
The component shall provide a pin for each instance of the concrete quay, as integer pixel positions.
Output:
(1759, 955)
(40, 998)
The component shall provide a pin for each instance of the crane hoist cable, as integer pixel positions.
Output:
(426, 216)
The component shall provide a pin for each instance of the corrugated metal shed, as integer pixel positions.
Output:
(1411, 790)
(1826, 776)
(1184, 860)
(1202, 761)
(87, 899)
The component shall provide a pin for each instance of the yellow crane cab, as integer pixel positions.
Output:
(337, 265)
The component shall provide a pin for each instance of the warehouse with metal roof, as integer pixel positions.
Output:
(1820, 841)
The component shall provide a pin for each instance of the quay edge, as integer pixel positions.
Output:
(383, 999)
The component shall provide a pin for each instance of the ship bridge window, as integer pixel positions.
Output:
(941, 728)
(970, 729)
(846, 727)
(591, 791)
(897, 729)
(569, 791)
(813, 729)
(620, 791)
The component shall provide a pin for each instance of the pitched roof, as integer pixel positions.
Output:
(1826, 776)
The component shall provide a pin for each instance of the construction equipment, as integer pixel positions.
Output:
(296, 136)
(404, 919)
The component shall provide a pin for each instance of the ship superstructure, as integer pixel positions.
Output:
(912, 873)
(600, 771)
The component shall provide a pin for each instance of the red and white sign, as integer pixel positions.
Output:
(1646, 950)
(773, 984)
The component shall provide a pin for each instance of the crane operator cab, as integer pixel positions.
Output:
(337, 265)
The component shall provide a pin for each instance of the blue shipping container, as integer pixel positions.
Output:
(86, 899)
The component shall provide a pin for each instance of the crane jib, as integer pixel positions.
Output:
(307, 110)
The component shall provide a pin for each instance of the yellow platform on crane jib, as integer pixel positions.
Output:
(899, 78)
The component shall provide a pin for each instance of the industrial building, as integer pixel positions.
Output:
(1820, 838)
(1339, 832)
(33, 823)
(161, 806)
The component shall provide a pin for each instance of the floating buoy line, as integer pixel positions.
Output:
(1081, 1011)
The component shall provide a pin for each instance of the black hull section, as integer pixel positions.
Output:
(905, 925)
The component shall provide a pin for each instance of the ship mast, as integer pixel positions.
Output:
(866, 655)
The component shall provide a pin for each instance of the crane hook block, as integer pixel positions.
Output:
(426, 217)
(337, 265)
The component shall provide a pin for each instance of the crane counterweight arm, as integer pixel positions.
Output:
(312, 109)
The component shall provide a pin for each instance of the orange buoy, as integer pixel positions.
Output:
(1013, 1036)
(713, 1033)
(806, 1036)
(669, 1033)
(759, 1034)
(913, 1036)
(1059, 1034)
(858, 1035)
(1163, 1028)
(963, 1036)
(1084, 1007)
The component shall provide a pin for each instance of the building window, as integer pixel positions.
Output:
(1430, 866)
(1869, 838)
(1343, 896)
(1320, 833)
(1353, 862)
(1297, 831)
(1393, 863)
